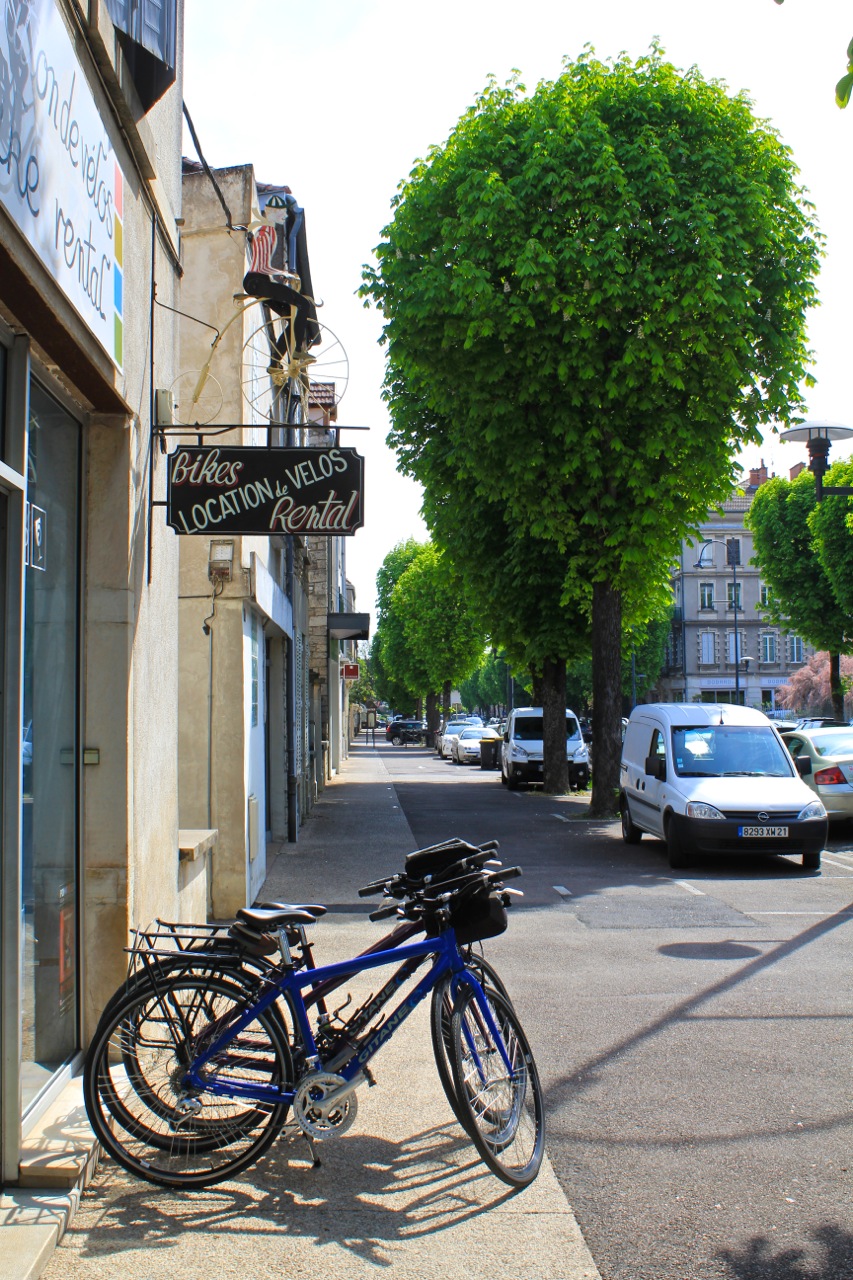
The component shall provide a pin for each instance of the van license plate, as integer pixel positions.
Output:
(775, 833)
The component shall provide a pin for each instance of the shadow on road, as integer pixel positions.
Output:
(757, 1261)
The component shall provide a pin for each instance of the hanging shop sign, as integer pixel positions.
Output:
(349, 671)
(262, 491)
(60, 181)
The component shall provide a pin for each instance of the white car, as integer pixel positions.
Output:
(522, 754)
(715, 779)
(466, 749)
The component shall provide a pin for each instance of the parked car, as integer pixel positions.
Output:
(447, 736)
(715, 779)
(466, 749)
(829, 769)
(399, 731)
(522, 749)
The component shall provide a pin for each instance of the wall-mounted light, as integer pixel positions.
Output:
(221, 560)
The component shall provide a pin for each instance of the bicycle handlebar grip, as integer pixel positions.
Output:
(508, 873)
(381, 913)
(377, 886)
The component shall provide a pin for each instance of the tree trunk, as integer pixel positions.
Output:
(432, 716)
(537, 684)
(446, 691)
(836, 688)
(555, 773)
(606, 699)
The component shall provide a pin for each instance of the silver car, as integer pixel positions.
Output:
(829, 772)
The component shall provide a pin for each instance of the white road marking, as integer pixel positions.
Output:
(561, 817)
(821, 915)
(691, 888)
(845, 866)
(562, 890)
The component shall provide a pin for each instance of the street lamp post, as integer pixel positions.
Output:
(731, 557)
(817, 437)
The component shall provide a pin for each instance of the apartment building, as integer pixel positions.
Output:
(722, 646)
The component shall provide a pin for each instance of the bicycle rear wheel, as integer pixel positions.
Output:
(504, 1108)
(441, 1013)
(135, 1099)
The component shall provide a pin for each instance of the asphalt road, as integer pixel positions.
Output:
(693, 1031)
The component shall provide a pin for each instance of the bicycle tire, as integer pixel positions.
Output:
(213, 1131)
(441, 1011)
(505, 1113)
(141, 1122)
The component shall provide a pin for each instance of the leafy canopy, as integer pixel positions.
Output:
(788, 554)
(600, 289)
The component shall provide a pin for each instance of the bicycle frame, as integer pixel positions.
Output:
(290, 985)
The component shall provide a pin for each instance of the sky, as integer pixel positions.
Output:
(338, 99)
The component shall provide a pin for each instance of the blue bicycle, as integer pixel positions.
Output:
(201, 1062)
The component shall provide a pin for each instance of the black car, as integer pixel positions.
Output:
(399, 731)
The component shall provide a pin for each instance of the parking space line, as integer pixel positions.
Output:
(845, 866)
(561, 817)
(691, 888)
(562, 890)
(820, 915)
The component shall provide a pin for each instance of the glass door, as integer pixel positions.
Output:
(50, 748)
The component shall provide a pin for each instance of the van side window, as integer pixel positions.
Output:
(658, 747)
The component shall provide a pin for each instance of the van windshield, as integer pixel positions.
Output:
(529, 728)
(729, 751)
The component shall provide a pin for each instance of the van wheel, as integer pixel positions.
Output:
(512, 783)
(678, 855)
(811, 861)
(630, 833)
(503, 778)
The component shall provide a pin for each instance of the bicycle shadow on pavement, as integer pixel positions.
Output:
(369, 1196)
(755, 1260)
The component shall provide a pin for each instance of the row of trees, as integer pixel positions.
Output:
(805, 552)
(593, 296)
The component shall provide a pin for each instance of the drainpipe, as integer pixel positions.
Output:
(292, 825)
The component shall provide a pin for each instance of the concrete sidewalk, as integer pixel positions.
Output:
(403, 1189)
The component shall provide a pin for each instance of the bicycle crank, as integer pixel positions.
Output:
(324, 1104)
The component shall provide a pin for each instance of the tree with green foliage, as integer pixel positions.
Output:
(599, 289)
(487, 686)
(388, 642)
(443, 640)
(788, 553)
(514, 581)
(831, 524)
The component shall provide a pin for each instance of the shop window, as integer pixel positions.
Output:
(49, 745)
(148, 36)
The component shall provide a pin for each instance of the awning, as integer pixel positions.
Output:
(349, 626)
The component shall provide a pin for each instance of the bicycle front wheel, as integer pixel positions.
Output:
(441, 1014)
(133, 1083)
(505, 1117)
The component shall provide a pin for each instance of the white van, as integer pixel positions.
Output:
(522, 749)
(710, 778)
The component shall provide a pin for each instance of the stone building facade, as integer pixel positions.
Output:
(722, 646)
